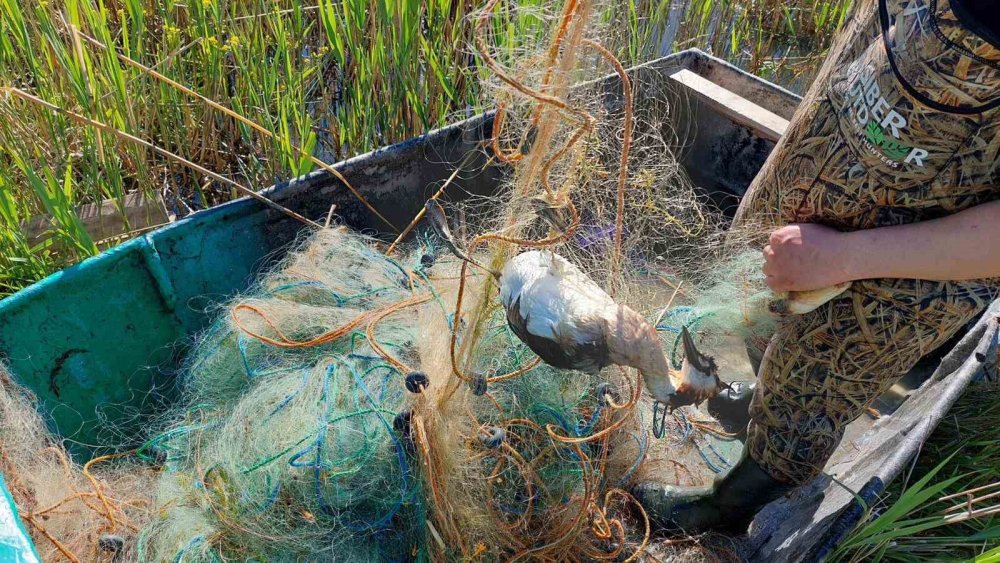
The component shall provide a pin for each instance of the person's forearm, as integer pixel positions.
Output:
(962, 246)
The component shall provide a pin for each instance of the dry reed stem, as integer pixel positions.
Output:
(9, 90)
(248, 122)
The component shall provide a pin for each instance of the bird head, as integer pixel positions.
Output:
(698, 379)
(556, 211)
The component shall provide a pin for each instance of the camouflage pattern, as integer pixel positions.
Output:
(870, 146)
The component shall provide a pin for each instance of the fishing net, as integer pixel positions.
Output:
(324, 420)
(367, 401)
(72, 512)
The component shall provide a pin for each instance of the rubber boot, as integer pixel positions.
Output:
(731, 407)
(728, 506)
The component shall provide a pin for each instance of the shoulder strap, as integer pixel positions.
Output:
(920, 96)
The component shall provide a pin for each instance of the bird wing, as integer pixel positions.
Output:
(550, 314)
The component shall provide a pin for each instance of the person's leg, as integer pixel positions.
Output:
(820, 372)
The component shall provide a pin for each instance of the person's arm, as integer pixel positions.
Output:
(962, 246)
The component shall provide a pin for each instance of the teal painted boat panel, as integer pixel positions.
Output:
(67, 338)
(211, 256)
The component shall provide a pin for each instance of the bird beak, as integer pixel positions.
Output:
(678, 401)
(439, 222)
(697, 360)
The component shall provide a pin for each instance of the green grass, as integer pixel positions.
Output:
(963, 453)
(335, 77)
(781, 41)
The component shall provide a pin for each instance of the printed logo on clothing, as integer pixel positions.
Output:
(881, 126)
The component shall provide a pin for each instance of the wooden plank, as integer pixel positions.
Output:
(765, 123)
(104, 221)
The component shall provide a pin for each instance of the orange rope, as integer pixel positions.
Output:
(98, 489)
(284, 341)
(508, 157)
(456, 322)
(370, 331)
(516, 373)
(623, 164)
(636, 394)
(560, 526)
(107, 509)
(569, 11)
(548, 241)
(59, 545)
(442, 516)
(484, 52)
(642, 511)
(574, 524)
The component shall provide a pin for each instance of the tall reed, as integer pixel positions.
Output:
(334, 77)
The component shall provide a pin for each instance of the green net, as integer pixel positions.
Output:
(286, 447)
(297, 437)
(369, 402)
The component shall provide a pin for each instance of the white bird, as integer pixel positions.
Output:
(572, 323)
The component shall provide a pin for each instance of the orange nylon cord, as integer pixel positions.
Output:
(636, 394)
(508, 157)
(285, 342)
(370, 331)
(516, 373)
(484, 52)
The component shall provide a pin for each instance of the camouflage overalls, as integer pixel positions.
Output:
(879, 140)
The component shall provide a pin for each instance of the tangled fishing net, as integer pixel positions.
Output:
(367, 401)
(78, 513)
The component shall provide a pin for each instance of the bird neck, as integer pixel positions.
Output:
(633, 342)
(650, 359)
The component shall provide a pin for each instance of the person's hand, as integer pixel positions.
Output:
(806, 257)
